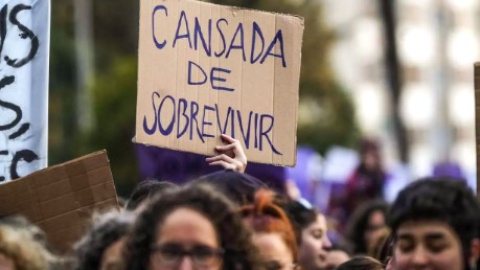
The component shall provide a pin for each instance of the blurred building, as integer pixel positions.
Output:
(438, 41)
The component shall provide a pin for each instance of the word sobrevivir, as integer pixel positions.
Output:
(190, 117)
(258, 53)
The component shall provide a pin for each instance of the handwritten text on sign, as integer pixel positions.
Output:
(23, 87)
(205, 70)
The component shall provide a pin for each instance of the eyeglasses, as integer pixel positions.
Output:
(203, 257)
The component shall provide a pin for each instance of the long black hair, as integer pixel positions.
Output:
(359, 223)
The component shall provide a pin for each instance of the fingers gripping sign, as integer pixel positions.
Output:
(231, 156)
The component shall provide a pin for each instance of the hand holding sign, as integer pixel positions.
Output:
(232, 156)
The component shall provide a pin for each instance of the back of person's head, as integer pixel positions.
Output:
(146, 189)
(233, 237)
(107, 229)
(19, 248)
(440, 200)
(264, 216)
(335, 257)
(359, 225)
(272, 176)
(361, 263)
(238, 187)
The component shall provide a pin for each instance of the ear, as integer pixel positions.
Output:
(474, 252)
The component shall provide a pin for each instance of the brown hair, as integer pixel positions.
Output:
(264, 216)
(380, 245)
(361, 263)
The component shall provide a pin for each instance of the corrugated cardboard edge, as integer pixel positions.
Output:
(237, 8)
(476, 79)
(98, 153)
(298, 100)
(81, 212)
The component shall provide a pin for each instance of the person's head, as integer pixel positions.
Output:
(370, 154)
(20, 251)
(193, 227)
(102, 247)
(335, 258)
(312, 239)
(238, 187)
(361, 263)
(434, 223)
(145, 190)
(366, 222)
(273, 233)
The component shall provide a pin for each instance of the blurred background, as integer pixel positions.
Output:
(387, 83)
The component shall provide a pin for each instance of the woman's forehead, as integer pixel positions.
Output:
(426, 228)
(319, 223)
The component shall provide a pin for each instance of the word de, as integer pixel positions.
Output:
(216, 76)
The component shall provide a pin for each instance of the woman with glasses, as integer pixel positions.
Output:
(273, 233)
(193, 227)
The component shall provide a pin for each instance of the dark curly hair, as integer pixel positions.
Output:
(107, 229)
(234, 237)
(439, 199)
(359, 222)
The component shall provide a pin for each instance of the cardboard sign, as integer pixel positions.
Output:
(206, 69)
(61, 199)
(477, 120)
(24, 53)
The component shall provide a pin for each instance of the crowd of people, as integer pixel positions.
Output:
(232, 221)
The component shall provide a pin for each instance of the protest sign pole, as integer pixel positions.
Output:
(477, 119)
